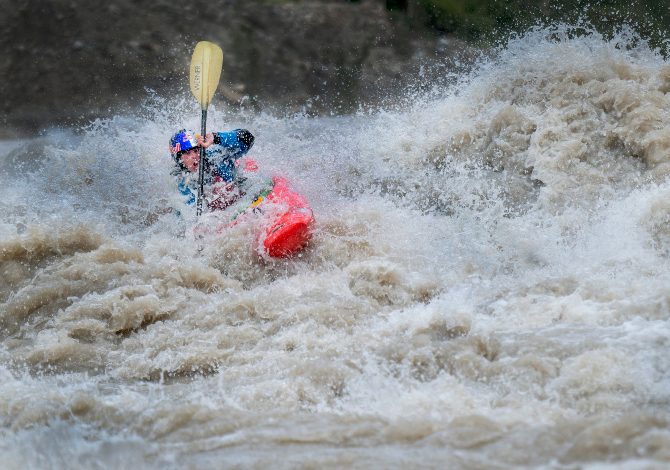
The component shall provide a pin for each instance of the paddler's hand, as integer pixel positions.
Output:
(209, 140)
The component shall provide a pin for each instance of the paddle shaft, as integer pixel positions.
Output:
(201, 164)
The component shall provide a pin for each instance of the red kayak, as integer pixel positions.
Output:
(291, 229)
(286, 220)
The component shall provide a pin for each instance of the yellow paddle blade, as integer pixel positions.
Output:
(206, 64)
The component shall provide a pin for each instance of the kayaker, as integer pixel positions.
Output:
(283, 217)
(223, 150)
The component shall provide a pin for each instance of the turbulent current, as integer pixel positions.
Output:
(488, 285)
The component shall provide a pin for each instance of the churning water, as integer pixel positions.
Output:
(488, 286)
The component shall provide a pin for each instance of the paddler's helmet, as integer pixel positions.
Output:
(181, 142)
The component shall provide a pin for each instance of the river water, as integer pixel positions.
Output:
(488, 285)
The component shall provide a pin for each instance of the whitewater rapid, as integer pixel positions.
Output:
(488, 285)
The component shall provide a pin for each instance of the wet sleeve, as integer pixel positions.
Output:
(236, 142)
(185, 191)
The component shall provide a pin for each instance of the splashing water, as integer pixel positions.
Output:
(487, 286)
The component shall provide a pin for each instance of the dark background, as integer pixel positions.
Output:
(66, 62)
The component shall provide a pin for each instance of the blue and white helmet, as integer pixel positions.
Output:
(181, 142)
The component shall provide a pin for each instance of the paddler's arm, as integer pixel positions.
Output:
(185, 190)
(232, 145)
(236, 142)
